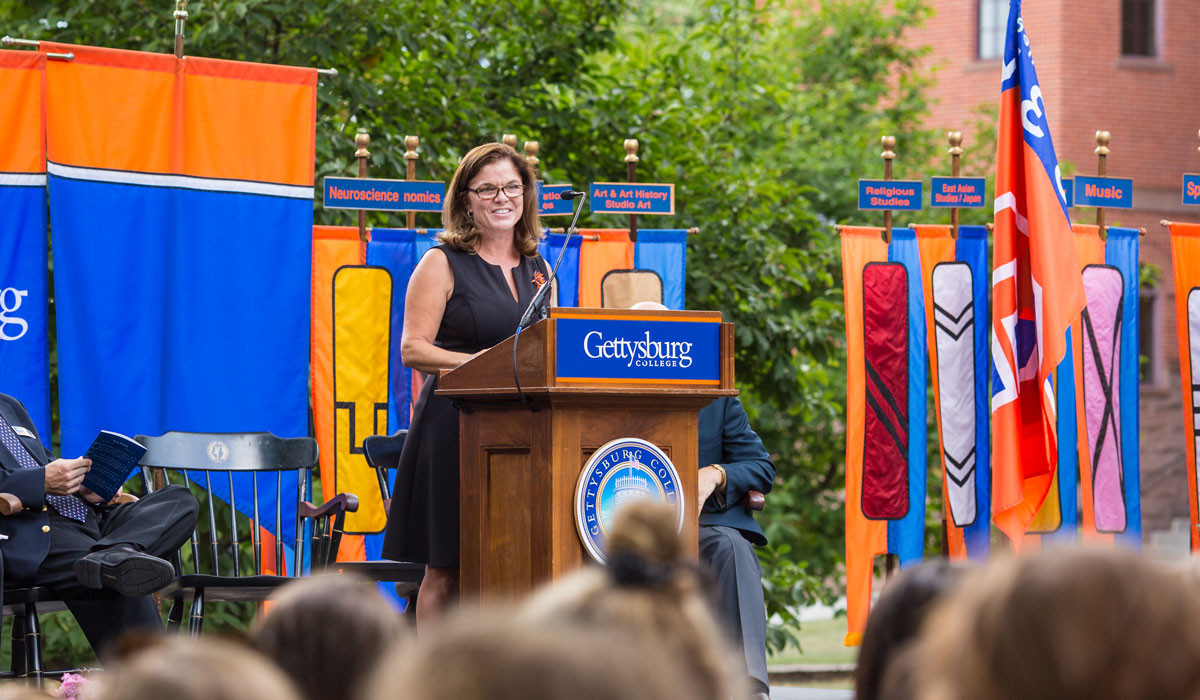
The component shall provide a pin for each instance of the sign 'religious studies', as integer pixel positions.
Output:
(963, 192)
(632, 351)
(631, 198)
(903, 195)
(384, 195)
(550, 201)
(1108, 192)
(1191, 189)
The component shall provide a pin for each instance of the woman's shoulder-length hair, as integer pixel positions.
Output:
(459, 230)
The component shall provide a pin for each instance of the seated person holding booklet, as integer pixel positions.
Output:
(104, 560)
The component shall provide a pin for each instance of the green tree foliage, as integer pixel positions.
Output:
(762, 113)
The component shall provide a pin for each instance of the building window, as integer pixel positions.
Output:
(1138, 35)
(993, 20)
(1149, 337)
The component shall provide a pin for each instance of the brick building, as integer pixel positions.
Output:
(1131, 67)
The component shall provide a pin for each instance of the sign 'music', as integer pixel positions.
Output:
(634, 350)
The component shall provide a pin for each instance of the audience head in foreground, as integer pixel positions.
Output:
(495, 656)
(894, 624)
(1064, 624)
(652, 595)
(178, 668)
(327, 633)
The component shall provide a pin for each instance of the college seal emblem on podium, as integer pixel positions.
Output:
(621, 471)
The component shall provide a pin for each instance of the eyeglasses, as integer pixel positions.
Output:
(490, 191)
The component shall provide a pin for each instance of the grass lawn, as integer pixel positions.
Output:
(821, 643)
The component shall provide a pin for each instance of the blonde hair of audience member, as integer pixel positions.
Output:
(496, 656)
(327, 633)
(652, 591)
(179, 668)
(1062, 624)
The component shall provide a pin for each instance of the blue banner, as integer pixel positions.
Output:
(396, 250)
(684, 352)
(550, 201)
(631, 198)
(906, 536)
(972, 248)
(1191, 189)
(1121, 252)
(904, 195)
(1108, 192)
(24, 300)
(568, 272)
(181, 310)
(383, 195)
(1068, 448)
(665, 252)
(965, 192)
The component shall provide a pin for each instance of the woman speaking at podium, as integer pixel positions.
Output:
(465, 295)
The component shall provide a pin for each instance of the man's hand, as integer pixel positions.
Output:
(707, 482)
(63, 476)
(119, 497)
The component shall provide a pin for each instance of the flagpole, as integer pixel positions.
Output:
(531, 156)
(361, 141)
(1103, 138)
(956, 151)
(888, 143)
(631, 161)
(410, 171)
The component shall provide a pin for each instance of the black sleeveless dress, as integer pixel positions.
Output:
(423, 519)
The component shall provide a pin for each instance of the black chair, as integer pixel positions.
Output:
(24, 605)
(383, 453)
(197, 460)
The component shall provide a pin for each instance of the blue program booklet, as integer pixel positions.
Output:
(114, 457)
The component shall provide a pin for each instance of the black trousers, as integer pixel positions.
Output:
(740, 605)
(158, 524)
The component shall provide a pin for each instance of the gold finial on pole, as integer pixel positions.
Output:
(361, 141)
(410, 156)
(1103, 138)
(509, 140)
(956, 150)
(181, 16)
(888, 155)
(531, 155)
(631, 161)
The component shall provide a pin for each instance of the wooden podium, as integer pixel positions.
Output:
(520, 458)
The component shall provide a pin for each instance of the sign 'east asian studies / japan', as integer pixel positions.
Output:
(631, 198)
(636, 351)
(1191, 189)
(1107, 192)
(550, 201)
(962, 192)
(383, 195)
(901, 195)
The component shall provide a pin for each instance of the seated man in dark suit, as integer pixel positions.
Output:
(734, 461)
(103, 560)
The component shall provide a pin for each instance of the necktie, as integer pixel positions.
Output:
(67, 506)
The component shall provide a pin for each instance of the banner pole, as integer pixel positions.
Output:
(509, 140)
(956, 151)
(631, 161)
(361, 141)
(410, 156)
(888, 143)
(181, 16)
(1103, 138)
(531, 156)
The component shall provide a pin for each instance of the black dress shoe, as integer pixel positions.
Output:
(124, 571)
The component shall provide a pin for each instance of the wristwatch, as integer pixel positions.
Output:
(724, 476)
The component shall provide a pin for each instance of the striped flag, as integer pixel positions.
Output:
(1036, 290)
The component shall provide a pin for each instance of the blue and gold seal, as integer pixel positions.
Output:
(624, 470)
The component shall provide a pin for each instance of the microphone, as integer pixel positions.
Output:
(539, 297)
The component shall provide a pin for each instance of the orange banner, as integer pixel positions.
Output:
(613, 251)
(1185, 252)
(21, 120)
(865, 538)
